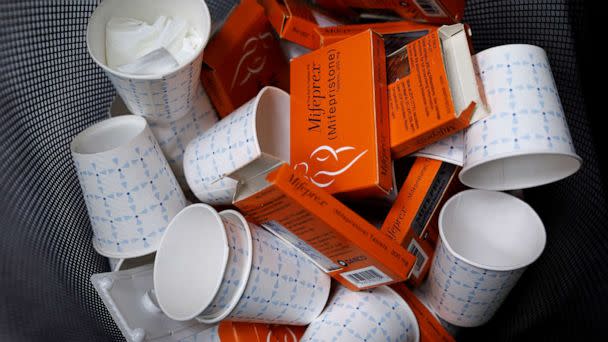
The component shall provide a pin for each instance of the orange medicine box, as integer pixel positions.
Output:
(406, 29)
(339, 120)
(428, 11)
(433, 90)
(258, 332)
(293, 20)
(242, 58)
(409, 222)
(431, 329)
(338, 240)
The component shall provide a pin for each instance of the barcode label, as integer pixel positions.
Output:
(421, 257)
(430, 8)
(368, 276)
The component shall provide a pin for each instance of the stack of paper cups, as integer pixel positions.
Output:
(214, 266)
(162, 98)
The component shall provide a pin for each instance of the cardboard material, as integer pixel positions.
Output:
(431, 329)
(403, 29)
(242, 58)
(427, 186)
(293, 20)
(433, 90)
(339, 241)
(339, 117)
(429, 11)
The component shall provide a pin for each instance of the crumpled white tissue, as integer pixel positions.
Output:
(136, 47)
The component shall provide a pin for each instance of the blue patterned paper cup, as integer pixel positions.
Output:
(257, 130)
(129, 189)
(487, 239)
(525, 141)
(162, 98)
(284, 287)
(373, 315)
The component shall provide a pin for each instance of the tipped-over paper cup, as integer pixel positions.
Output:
(487, 239)
(165, 97)
(217, 266)
(129, 190)
(525, 142)
(255, 132)
(373, 315)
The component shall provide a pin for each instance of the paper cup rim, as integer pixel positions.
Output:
(508, 155)
(222, 260)
(126, 255)
(104, 124)
(245, 275)
(410, 313)
(205, 16)
(542, 234)
(508, 46)
(256, 105)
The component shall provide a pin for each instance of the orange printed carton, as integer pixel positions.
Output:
(433, 90)
(430, 328)
(257, 332)
(296, 21)
(339, 118)
(242, 58)
(412, 217)
(399, 31)
(334, 237)
(427, 11)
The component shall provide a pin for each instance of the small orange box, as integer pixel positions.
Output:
(433, 90)
(338, 240)
(339, 126)
(428, 11)
(426, 188)
(257, 332)
(242, 58)
(431, 329)
(293, 20)
(403, 29)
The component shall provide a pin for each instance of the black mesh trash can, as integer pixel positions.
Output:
(50, 89)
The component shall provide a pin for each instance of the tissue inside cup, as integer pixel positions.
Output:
(136, 47)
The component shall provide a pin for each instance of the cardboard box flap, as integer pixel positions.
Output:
(260, 166)
(460, 71)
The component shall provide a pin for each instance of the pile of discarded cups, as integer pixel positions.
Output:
(313, 171)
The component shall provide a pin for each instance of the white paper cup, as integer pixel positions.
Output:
(173, 137)
(129, 190)
(190, 262)
(237, 272)
(525, 142)
(284, 287)
(487, 239)
(165, 97)
(372, 315)
(259, 127)
(204, 269)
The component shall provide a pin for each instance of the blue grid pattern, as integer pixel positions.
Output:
(208, 335)
(173, 137)
(450, 149)
(237, 263)
(130, 196)
(526, 112)
(366, 316)
(226, 147)
(284, 287)
(162, 100)
(465, 295)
